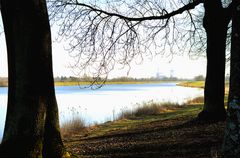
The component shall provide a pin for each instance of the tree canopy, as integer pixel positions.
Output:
(105, 33)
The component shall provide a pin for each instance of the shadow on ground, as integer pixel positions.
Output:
(171, 138)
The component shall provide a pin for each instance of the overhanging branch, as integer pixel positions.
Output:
(165, 15)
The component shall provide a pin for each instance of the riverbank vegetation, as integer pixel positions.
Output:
(172, 132)
(193, 84)
(73, 126)
(150, 108)
(83, 83)
(76, 123)
(201, 84)
(86, 80)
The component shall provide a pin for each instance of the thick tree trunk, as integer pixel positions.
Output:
(215, 24)
(32, 124)
(231, 145)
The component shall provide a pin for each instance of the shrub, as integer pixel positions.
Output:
(152, 108)
(149, 108)
(73, 126)
(196, 100)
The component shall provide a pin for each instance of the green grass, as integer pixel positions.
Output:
(145, 113)
(172, 133)
(134, 122)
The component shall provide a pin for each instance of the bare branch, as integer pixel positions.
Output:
(100, 39)
(164, 14)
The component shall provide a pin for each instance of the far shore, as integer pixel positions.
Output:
(67, 83)
(194, 84)
(79, 83)
(200, 84)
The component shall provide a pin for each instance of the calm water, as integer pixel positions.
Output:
(103, 104)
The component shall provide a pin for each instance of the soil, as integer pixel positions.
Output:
(181, 137)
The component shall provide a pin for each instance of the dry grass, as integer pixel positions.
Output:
(77, 124)
(155, 108)
(72, 126)
(149, 108)
(197, 100)
(152, 108)
(194, 84)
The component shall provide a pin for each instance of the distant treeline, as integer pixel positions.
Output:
(85, 78)
(118, 79)
(127, 79)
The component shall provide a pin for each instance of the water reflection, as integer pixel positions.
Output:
(100, 105)
(103, 104)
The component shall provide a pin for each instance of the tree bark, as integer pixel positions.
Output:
(215, 23)
(231, 146)
(32, 124)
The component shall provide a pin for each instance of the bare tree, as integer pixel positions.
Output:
(101, 35)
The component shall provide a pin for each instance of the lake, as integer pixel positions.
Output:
(100, 105)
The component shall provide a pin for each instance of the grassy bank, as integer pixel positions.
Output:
(194, 84)
(152, 108)
(73, 126)
(200, 84)
(130, 124)
(172, 132)
(76, 123)
(81, 83)
(66, 83)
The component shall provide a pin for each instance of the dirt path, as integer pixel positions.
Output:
(171, 138)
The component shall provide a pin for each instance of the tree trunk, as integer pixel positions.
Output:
(32, 124)
(231, 146)
(215, 23)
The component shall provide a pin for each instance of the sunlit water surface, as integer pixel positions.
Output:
(100, 105)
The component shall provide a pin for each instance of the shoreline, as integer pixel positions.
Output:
(110, 83)
(193, 84)
(173, 133)
(76, 83)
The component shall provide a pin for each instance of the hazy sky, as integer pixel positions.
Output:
(180, 66)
